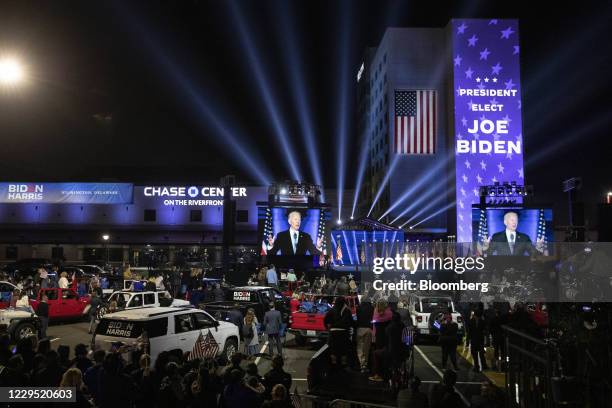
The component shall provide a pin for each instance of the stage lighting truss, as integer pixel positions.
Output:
(295, 192)
(504, 194)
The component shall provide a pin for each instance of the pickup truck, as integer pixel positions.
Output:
(242, 298)
(308, 321)
(63, 303)
(132, 300)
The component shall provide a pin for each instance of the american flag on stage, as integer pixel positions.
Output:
(204, 347)
(415, 122)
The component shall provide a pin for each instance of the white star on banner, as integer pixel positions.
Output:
(483, 165)
(467, 164)
(520, 172)
(479, 179)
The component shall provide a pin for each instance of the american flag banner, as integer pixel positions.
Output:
(268, 232)
(204, 347)
(415, 122)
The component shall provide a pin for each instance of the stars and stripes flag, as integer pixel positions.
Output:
(268, 232)
(204, 347)
(415, 122)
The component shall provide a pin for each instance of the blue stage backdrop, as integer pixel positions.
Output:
(67, 193)
(535, 222)
(360, 247)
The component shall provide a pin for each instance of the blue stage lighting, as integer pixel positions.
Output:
(299, 91)
(343, 113)
(264, 86)
(361, 166)
(430, 216)
(384, 181)
(229, 138)
(429, 177)
(422, 197)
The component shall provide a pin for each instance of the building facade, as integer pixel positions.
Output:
(407, 59)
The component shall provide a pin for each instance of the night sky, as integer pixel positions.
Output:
(113, 86)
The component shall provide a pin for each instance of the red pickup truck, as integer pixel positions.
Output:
(63, 303)
(308, 321)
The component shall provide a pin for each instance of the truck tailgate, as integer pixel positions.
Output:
(308, 321)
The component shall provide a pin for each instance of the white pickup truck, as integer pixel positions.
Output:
(131, 300)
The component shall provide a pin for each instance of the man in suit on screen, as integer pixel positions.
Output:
(293, 241)
(511, 242)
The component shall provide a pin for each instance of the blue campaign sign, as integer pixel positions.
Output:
(67, 193)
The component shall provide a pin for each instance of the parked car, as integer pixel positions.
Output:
(427, 311)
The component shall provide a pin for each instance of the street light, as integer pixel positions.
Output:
(11, 71)
(609, 197)
(105, 238)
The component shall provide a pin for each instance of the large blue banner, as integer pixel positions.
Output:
(488, 128)
(66, 193)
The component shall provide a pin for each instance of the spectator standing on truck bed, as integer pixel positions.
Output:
(272, 276)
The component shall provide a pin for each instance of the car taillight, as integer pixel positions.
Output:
(419, 319)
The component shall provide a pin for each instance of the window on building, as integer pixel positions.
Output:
(385, 58)
(195, 216)
(242, 216)
(150, 215)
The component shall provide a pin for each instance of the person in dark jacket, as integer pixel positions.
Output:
(42, 310)
(279, 398)
(448, 340)
(91, 376)
(116, 389)
(277, 375)
(476, 329)
(51, 373)
(338, 321)
(364, 332)
(93, 311)
(13, 375)
(218, 293)
(81, 361)
(443, 395)
(236, 394)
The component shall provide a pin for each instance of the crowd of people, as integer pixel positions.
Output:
(105, 379)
